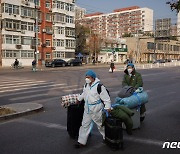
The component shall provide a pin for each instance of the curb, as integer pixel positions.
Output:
(21, 110)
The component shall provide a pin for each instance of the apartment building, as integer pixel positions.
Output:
(178, 25)
(63, 16)
(163, 27)
(17, 20)
(41, 29)
(79, 12)
(121, 21)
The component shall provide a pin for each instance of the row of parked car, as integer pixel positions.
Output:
(63, 63)
(164, 60)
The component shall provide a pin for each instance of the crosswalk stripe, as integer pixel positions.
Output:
(26, 85)
(26, 97)
(38, 90)
(72, 89)
(21, 83)
(14, 80)
(17, 89)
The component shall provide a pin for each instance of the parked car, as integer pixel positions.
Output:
(74, 62)
(55, 62)
(159, 61)
(167, 60)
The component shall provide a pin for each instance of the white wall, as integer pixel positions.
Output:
(9, 62)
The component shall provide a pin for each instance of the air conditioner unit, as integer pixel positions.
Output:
(26, 3)
(33, 46)
(23, 32)
(18, 46)
(44, 45)
(44, 30)
(53, 48)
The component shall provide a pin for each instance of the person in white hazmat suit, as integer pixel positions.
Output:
(93, 107)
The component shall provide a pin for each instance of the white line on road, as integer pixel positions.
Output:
(59, 126)
(26, 97)
(33, 84)
(38, 90)
(15, 81)
(72, 89)
(10, 90)
(21, 83)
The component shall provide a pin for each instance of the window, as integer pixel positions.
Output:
(58, 54)
(160, 46)
(27, 40)
(23, 25)
(60, 30)
(12, 25)
(49, 30)
(28, 12)
(48, 17)
(8, 39)
(70, 43)
(59, 17)
(16, 39)
(27, 54)
(24, 54)
(48, 43)
(48, 4)
(150, 45)
(69, 19)
(30, 26)
(48, 56)
(60, 43)
(11, 54)
(9, 8)
(70, 32)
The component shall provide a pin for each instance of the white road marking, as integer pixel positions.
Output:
(128, 138)
(38, 90)
(26, 97)
(21, 83)
(33, 84)
(68, 90)
(17, 89)
(14, 81)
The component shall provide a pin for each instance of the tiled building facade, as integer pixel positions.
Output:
(55, 26)
(121, 21)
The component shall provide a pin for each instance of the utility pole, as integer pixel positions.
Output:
(36, 32)
(154, 57)
(0, 37)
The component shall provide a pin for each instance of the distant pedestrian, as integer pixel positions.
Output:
(112, 67)
(16, 63)
(34, 65)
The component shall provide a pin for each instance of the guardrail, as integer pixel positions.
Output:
(157, 65)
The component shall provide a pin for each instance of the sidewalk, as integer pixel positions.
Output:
(91, 66)
(21, 109)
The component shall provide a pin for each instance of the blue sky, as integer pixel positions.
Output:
(161, 9)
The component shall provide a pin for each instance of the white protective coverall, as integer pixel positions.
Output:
(93, 109)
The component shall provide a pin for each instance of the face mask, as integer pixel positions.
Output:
(88, 80)
(130, 71)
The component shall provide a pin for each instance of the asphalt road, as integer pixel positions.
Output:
(45, 132)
